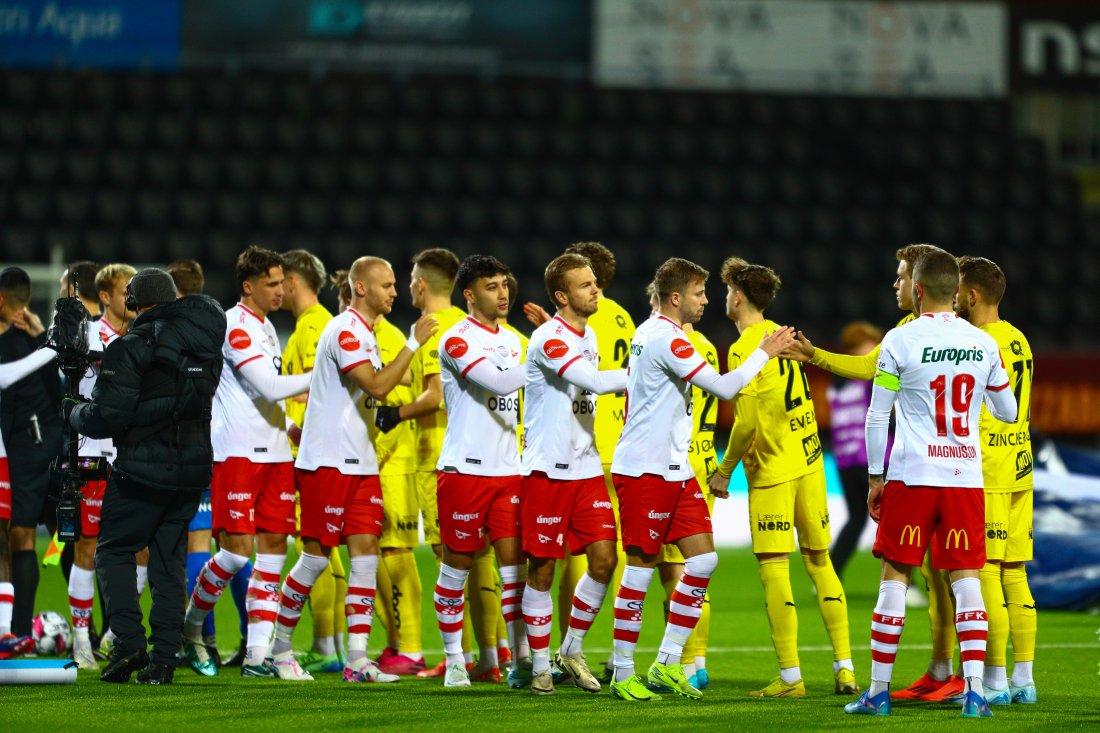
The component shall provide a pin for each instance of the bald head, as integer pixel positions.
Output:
(372, 285)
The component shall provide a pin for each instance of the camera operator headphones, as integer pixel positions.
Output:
(131, 301)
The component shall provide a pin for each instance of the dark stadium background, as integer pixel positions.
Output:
(144, 132)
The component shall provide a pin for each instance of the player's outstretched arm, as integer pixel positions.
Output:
(801, 349)
(582, 374)
(842, 365)
(12, 371)
(498, 381)
(271, 385)
(725, 386)
(379, 383)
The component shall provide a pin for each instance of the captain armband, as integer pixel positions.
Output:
(886, 380)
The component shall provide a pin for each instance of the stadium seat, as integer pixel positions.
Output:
(171, 131)
(73, 206)
(122, 168)
(32, 205)
(112, 207)
(193, 210)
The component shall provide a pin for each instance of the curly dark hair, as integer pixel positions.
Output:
(476, 266)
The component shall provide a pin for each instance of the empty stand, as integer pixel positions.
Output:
(201, 163)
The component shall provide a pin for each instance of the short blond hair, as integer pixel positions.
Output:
(109, 275)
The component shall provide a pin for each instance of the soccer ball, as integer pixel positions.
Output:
(51, 632)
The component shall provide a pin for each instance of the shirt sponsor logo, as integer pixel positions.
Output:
(547, 520)
(376, 500)
(348, 341)
(515, 500)
(239, 339)
(682, 349)
(238, 496)
(659, 515)
(555, 348)
(285, 496)
(456, 347)
(931, 355)
(1001, 440)
(465, 517)
(601, 504)
(952, 451)
(337, 510)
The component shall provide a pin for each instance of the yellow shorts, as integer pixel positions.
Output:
(800, 505)
(400, 511)
(670, 553)
(1008, 526)
(429, 511)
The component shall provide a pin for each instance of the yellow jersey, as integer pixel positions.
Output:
(849, 366)
(614, 331)
(430, 428)
(300, 354)
(523, 341)
(1006, 447)
(704, 416)
(396, 449)
(785, 444)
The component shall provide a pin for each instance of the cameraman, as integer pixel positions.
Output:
(153, 398)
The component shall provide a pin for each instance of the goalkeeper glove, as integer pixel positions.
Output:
(386, 418)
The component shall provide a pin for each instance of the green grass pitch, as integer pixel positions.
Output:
(740, 660)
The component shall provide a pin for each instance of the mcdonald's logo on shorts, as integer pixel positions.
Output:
(957, 534)
(913, 533)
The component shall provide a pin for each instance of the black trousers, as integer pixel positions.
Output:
(855, 495)
(137, 516)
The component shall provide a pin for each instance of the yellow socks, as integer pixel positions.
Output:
(782, 616)
(340, 591)
(941, 611)
(831, 601)
(997, 613)
(1022, 619)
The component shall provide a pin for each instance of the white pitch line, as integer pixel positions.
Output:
(762, 649)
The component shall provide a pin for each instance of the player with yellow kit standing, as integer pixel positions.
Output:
(1009, 483)
(775, 436)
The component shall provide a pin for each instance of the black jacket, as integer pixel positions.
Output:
(135, 400)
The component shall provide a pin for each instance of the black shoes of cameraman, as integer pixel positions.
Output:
(157, 673)
(121, 664)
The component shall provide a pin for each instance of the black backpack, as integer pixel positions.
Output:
(190, 380)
